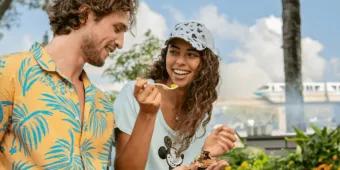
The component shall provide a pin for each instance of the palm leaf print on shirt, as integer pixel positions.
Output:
(104, 156)
(19, 165)
(97, 122)
(2, 105)
(37, 52)
(30, 127)
(62, 155)
(28, 75)
(86, 148)
(66, 106)
(2, 64)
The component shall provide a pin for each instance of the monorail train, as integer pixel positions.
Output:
(312, 92)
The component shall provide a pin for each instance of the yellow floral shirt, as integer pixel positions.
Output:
(39, 117)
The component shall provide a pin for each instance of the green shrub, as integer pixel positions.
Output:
(320, 150)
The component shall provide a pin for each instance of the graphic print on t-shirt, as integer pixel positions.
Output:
(169, 153)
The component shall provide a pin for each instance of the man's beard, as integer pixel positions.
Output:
(91, 52)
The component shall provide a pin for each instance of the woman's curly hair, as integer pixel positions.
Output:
(65, 15)
(198, 103)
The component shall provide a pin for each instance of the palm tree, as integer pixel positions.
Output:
(8, 5)
(9, 10)
(292, 64)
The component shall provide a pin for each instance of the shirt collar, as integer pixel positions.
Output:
(85, 79)
(43, 59)
(46, 63)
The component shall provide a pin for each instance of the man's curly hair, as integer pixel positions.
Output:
(198, 102)
(65, 15)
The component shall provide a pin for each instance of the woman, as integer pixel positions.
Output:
(160, 128)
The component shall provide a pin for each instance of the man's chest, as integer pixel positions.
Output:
(79, 89)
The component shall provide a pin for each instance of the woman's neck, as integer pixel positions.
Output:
(171, 105)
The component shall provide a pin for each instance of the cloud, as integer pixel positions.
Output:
(314, 65)
(146, 19)
(240, 79)
(333, 69)
(258, 59)
(262, 48)
(220, 25)
(176, 14)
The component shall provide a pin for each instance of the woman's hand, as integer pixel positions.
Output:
(147, 96)
(219, 165)
(186, 167)
(219, 141)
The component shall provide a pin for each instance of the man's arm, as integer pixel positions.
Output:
(6, 98)
(132, 150)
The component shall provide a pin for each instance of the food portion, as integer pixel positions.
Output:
(204, 160)
(173, 86)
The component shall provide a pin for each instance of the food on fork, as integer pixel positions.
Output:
(204, 160)
(171, 87)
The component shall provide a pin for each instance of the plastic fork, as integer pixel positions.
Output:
(172, 86)
(239, 142)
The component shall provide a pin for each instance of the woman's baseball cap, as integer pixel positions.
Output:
(194, 33)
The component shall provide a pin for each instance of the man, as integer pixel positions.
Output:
(51, 116)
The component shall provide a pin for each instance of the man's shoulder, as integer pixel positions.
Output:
(99, 94)
(103, 100)
(12, 62)
(18, 56)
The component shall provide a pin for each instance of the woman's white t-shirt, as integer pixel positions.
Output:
(162, 152)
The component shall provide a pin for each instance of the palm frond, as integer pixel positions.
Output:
(2, 105)
(62, 155)
(90, 92)
(30, 127)
(86, 148)
(108, 106)
(28, 75)
(104, 156)
(66, 106)
(97, 122)
(18, 165)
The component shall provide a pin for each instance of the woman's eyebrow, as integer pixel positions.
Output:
(174, 46)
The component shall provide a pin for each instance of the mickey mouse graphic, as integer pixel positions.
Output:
(170, 154)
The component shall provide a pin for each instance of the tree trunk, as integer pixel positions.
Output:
(4, 6)
(292, 64)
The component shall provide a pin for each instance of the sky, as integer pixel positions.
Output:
(247, 37)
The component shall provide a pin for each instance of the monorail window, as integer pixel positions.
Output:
(317, 88)
(264, 88)
(334, 87)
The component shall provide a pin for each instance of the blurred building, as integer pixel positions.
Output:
(264, 114)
